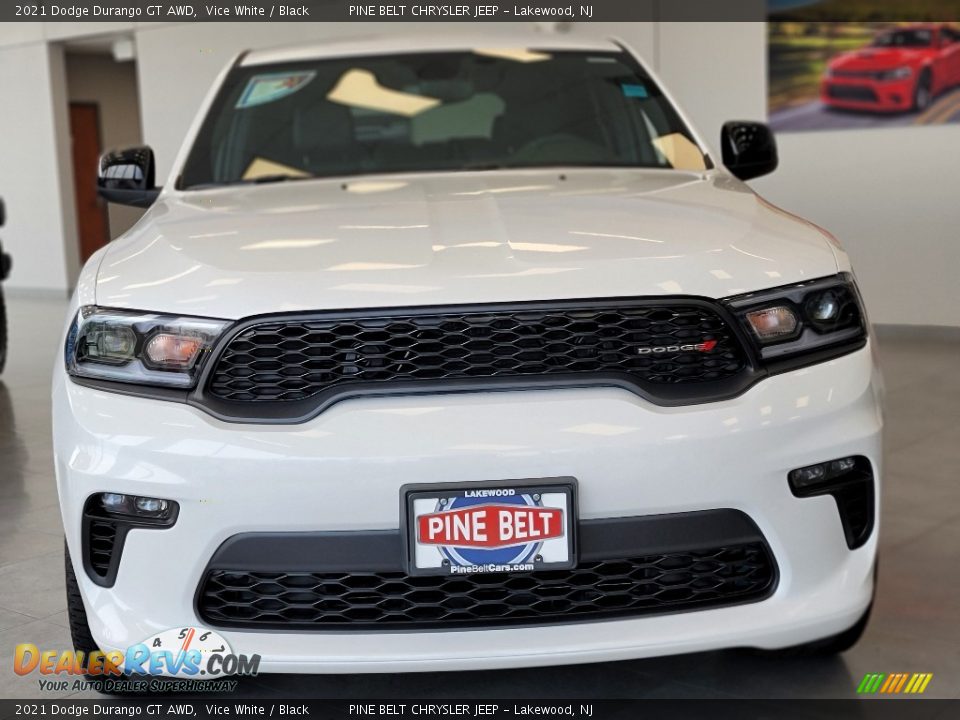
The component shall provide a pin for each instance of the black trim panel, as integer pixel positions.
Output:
(382, 550)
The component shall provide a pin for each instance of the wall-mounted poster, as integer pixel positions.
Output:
(827, 75)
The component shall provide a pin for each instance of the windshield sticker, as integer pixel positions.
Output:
(680, 151)
(261, 168)
(262, 89)
(633, 90)
(521, 55)
(358, 88)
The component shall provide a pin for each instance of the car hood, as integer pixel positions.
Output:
(877, 59)
(439, 239)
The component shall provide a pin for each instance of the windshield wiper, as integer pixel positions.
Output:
(261, 180)
(278, 177)
(486, 166)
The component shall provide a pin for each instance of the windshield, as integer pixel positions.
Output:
(437, 111)
(905, 38)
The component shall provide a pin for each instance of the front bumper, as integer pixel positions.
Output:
(867, 94)
(343, 472)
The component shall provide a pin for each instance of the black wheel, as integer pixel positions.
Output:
(79, 629)
(923, 92)
(3, 332)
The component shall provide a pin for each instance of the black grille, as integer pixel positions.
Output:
(593, 590)
(852, 92)
(633, 341)
(102, 541)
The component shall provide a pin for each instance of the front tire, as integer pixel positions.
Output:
(923, 92)
(79, 628)
(3, 332)
(76, 613)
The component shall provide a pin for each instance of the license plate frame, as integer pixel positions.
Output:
(547, 491)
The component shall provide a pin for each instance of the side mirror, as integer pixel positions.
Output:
(749, 149)
(127, 177)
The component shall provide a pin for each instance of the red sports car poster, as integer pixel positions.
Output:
(826, 75)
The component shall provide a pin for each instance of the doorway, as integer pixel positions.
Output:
(103, 96)
(92, 223)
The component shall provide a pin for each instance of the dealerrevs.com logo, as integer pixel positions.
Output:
(184, 654)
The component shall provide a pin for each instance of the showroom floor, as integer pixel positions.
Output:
(914, 626)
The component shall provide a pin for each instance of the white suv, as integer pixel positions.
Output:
(468, 356)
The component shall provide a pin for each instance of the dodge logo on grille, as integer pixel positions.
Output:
(705, 346)
(490, 526)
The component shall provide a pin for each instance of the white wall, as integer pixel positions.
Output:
(891, 197)
(35, 179)
(716, 72)
(113, 87)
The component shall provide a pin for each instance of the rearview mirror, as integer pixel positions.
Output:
(749, 149)
(127, 177)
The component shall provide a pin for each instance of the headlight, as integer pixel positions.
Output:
(142, 348)
(899, 73)
(817, 316)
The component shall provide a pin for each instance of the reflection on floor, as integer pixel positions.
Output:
(914, 627)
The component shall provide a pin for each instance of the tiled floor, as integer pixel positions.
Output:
(915, 625)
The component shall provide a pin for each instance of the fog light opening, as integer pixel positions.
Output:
(135, 506)
(850, 481)
(150, 506)
(114, 502)
(107, 518)
(814, 476)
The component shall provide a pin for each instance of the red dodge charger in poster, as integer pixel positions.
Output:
(902, 69)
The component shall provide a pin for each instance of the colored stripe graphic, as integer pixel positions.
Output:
(894, 683)
(900, 683)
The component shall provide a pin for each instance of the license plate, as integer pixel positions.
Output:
(490, 527)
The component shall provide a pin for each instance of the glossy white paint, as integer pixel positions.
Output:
(441, 239)
(344, 469)
(436, 238)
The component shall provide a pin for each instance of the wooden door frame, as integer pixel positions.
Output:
(103, 208)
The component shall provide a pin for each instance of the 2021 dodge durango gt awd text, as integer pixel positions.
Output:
(467, 357)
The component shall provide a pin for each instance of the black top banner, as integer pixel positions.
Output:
(380, 10)
(560, 11)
